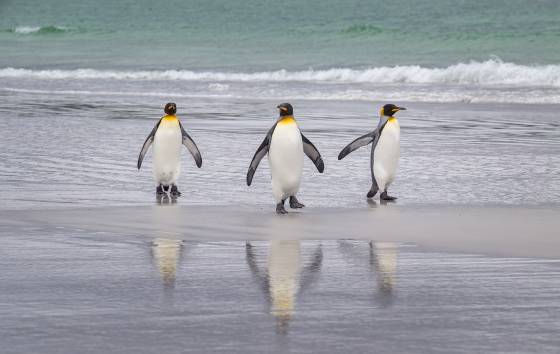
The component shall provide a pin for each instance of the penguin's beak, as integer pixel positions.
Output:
(282, 108)
(396, 109)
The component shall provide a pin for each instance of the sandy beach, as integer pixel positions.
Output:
(382, 278)
(497, 231)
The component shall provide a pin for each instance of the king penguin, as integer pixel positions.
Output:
(285, 145)
(385, 151)
(167, 137)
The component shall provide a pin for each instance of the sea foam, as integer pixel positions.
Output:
(39, 30)
(490, 72)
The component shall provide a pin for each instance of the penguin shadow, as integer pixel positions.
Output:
(282, 277)
(380, 259)
(374, 204)
(387, 202)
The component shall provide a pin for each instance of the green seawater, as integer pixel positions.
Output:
(251, 35)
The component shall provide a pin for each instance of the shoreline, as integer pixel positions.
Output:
(504, 231)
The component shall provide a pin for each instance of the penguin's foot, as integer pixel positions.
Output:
(174, 191)
(386, 197)
(295, 204)
(160, 190)
(372, 192)
(280, 208)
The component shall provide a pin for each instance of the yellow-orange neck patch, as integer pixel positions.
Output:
(169, 120)
(391, 120)
(287, 120)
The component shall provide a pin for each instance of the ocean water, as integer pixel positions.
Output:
(435, 51)
(267, 35)
(71, 149)
(83, 83)
(428, 51)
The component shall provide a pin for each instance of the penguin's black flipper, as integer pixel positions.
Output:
(364, 140)
(259, 154)
(358, 143)
(147, 143)
(191, 146)
(312, 152)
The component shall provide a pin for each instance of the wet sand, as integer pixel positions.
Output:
(498, 231)
(183, 279)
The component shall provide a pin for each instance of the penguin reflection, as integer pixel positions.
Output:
(164, 198)
(284, 279)
(166, 255)
(381, 260)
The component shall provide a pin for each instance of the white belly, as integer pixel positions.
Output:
(167, 154)
(386, 155)
(285, 157)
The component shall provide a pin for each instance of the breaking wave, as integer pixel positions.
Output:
(39, 30)
(490, 72)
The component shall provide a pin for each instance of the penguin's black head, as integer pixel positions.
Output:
(170, 108)
(390, 109)
(285, 109)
